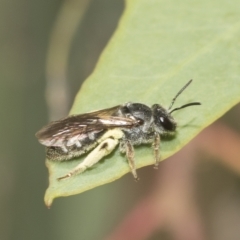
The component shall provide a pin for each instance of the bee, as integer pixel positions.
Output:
(101, 131)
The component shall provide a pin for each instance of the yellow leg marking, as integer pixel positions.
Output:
(103, 149)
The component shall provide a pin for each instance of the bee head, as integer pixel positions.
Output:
(163, 120)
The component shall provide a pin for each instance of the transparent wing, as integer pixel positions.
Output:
(58, 132)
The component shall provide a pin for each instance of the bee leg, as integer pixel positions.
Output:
(130, 157)
(156, 147)
(103, 149)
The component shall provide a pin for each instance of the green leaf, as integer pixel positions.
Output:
(157, 47)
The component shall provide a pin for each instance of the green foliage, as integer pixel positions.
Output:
(157, 47)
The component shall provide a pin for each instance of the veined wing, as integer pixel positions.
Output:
(73, 127)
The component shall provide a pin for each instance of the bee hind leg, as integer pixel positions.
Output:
(103, 149)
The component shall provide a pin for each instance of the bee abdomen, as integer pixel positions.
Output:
(70, 151)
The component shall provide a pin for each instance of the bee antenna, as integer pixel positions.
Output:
(186, 105)
(182, 89)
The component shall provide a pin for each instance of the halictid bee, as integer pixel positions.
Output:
(101, 131)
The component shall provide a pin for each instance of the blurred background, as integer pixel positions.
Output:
(194, 195)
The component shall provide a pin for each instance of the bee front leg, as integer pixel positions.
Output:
(103, 149)
(156, 148)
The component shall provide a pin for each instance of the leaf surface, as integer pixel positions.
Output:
(157, 47)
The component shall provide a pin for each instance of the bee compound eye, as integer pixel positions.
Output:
(167, 123)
